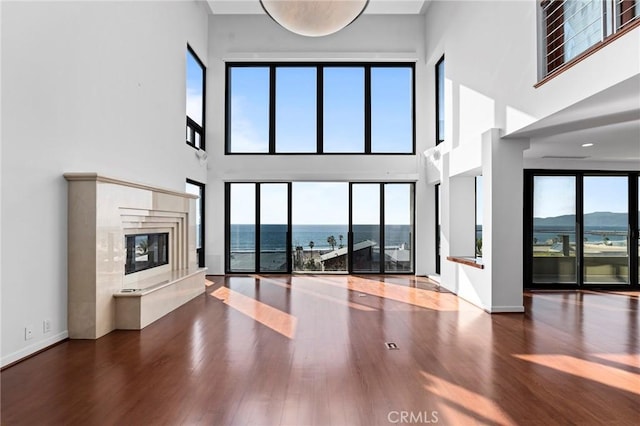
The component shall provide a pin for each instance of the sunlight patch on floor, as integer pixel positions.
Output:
(269, 316)
(464, 405)
(317, 294)
(589, 370)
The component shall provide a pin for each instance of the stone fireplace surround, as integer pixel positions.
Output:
(101, 211)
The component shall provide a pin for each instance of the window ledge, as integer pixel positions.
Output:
(467, 260)
(593, 49)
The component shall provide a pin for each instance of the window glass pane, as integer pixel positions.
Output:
(195, 190)
(274, 213)
(296, 109)
(366, 227)
(398, 227)
(242, 219)
(582, 26)
(195, 86)
(343, 109)
(249, 121)
(554, 230)
(440, 136)
(391, 110)
(320, 226)
(479, 207)
(606, 226)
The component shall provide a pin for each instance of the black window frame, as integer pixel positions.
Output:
(382, 269)
(439, 91)
(192, 127)
(319, 104)
(633, 226)
(438, 224)
(200, 251)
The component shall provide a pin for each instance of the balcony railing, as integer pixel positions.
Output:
(572, 27)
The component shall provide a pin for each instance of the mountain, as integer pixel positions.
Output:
(590, 219)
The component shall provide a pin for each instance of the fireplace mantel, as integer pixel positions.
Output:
(101, 210)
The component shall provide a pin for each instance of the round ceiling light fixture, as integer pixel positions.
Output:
(314, 18)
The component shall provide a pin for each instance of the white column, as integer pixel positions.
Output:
(502, 170)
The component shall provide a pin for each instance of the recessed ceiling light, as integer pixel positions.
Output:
(586, 145)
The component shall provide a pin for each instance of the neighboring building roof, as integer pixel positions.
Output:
(398, 255)
(344, 250)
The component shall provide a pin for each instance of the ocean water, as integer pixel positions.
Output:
(593, 234)
(274, 237)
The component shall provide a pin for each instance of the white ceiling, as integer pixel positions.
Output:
(377, 7)
(610, 120)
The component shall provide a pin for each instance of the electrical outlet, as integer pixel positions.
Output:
(46, 326)
(28, 332)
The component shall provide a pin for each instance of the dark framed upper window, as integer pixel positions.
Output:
(310, 108)
(573, 27)
(195, 103)
(440, 101)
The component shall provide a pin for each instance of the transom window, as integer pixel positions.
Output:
(295, 108)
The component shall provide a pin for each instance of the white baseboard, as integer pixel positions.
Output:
(505, 309)
(35, 347)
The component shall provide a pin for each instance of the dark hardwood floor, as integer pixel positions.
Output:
(310, 350)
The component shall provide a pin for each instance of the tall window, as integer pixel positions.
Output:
(440, 101)
(573, 26)
(294, 108)
(195, 100)
(197, 188)
(479, 206)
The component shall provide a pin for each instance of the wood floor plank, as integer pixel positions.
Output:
(310, 350)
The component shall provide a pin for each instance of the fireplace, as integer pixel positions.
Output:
(146, 251)
(131, 251)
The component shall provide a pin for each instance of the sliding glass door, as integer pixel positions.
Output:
(366, 227)
(554, 230)
(582, 229)
(606, 229)
(398, 227)
(274, 226)
(241, 230)
(320, 226)
(333, 227)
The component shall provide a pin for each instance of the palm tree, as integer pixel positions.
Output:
(332, 242)
(311, 245)
(340, 237)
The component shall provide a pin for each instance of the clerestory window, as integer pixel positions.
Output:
(335, 108)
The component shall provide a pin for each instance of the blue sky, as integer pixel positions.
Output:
(194, 89)
(343, 110)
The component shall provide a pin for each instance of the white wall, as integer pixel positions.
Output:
(490, 73)
(258, 38)
(86, 86)
(491, 65)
